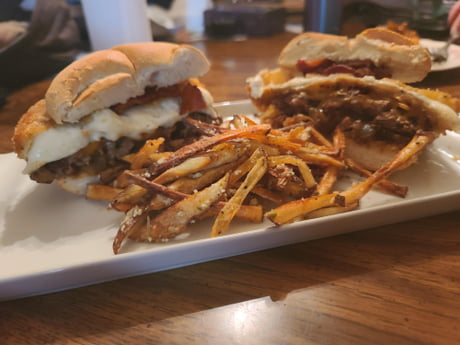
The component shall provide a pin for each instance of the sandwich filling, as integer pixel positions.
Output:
(96, 144)
(355, 67)
(366, 110)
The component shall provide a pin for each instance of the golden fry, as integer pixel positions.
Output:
(202, 179)
(227, 213)
(142, 158)
(187, 167)
(305, 171)
(173, 221)
(318, 158)
(318, 137)
(385, 185)
(187, 151)
(250, 213)
(146, 184)
(165, 191)
(268, 195)
(329, 211)
(128, 198)
(357, 191)
(328, 180)
(101, 192)
(246, 166)
(292, 210)
(134, 219)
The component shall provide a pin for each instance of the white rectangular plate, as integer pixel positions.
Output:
(51, 240)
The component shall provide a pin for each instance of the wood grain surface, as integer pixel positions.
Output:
(395, 284)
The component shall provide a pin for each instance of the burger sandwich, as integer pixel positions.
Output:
(378, 52)
(362, 92)
(105, 105)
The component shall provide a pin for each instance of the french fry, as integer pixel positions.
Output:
(187, 167)
(385, 185)
(268, 195)
(294, 167)
(269, 150)
(146, 184)
(250, 213)
(202, 179)
(237, 122)
(290, 211)
(246, 166)
(417, 144)
(318, 158)
(205, 128)
(339, 143)
(319, 138)
(299, 134)
(219, 155)
(110, 174)
(332, 172)
(134, 219)
(305, 171)
(248, 121)
(187, 151)
(295, 190)
(283, 143)
(329, 211)
(122, 181)
(128, 198)
(101, 192)
(328, 180)
(173, 221)
(227, 213)
(143, 157)
(161, 201)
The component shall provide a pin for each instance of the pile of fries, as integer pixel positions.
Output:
(240, 169)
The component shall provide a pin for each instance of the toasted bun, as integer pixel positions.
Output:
(372, 156)
(108, 77)
(408, 62)
(33, 122)
(76, 184)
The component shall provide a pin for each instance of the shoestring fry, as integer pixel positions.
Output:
(241, 169)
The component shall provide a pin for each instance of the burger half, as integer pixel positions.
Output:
(358, 86)
(377, 117)
(378, 52)
(105, 106)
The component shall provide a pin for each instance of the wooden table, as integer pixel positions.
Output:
(395, 284)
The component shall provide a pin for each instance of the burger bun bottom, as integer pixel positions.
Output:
(373, 155)
(76, 184)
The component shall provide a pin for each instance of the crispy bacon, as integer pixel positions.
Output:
(192, 99)
(358, 68)
(313, 66)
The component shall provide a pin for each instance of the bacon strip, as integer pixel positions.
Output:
(192, 99)
(358, 68)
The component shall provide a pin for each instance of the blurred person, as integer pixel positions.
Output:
(453, 19)
(10, 30)
(37, 39)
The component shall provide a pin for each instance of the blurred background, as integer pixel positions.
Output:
(39, 37)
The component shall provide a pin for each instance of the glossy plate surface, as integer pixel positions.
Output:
(454, 55)
(51, 240)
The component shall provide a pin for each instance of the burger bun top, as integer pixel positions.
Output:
(406, 60)
(108, 77)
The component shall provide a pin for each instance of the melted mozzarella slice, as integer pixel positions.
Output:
(63, 141)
